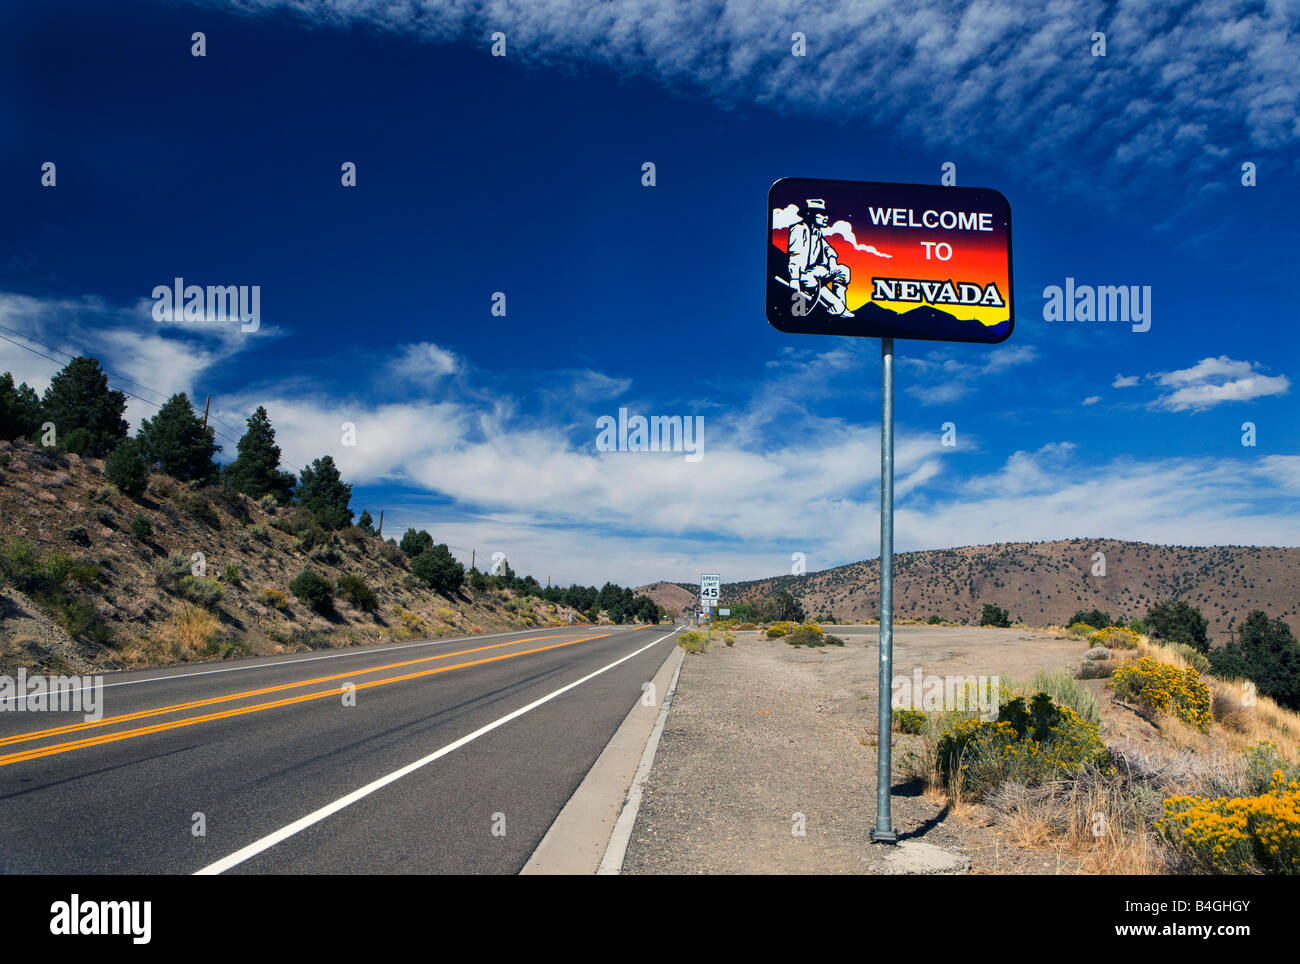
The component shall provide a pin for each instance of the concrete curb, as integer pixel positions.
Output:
(581, 838)
(622, 835)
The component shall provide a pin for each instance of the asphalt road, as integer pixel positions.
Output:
(290, 778)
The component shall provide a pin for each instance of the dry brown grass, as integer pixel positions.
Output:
(191, 631)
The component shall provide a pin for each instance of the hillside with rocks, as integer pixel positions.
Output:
(1044, 583)
(91, 579)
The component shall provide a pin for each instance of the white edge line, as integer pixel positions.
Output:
(316, 816)
(616, 849)
(359, 651)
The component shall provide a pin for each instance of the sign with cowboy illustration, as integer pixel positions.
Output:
(889, 260)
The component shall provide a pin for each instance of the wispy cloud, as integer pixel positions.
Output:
(1179, 83)
(942, 378)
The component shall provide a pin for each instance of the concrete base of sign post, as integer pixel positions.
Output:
(915, 857)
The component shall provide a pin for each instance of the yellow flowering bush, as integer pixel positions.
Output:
(1120, 637)
(1238, 835)
(1028, 744)
(1164, 687)
(1080, 630)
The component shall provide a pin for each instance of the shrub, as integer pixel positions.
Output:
(1080, 630)
(230, 574)
(806, 636)
(777, 630)
(141, 527)
(104, 494)
(274, 598)
(127, 468)
(909, 721)
(198, 507)
(1065, 691)
(260, 531)
(933, 621)
(692, 642)
(167, 572)
(1237, 835)
(1163, 687)
(1114, 636)
(1194, 657)
(1029, 745)
(995, 616)
(201, 591)
(1092, 617)
(392, 554)
(192, 629)
(77, 534)
(314, 590)
(354, 589)
(729, 638)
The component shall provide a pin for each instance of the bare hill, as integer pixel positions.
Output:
(1044, 583)
(668, 596)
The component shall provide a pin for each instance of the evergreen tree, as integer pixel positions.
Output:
(79, 397)
(178, 443)
(415, 542)
(256, 470)
(324, 494)
(366, 523)
(127, 468)
(1272, 657)
(1179, 622)
(20, 410)
(438, 569)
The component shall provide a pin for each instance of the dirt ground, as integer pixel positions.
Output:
(763, 738)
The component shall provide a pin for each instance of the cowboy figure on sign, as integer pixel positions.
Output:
(814, 265)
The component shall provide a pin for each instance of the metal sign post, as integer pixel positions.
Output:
(884, 829)
(710, 592)
(873, 260)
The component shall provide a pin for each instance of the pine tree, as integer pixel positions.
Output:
(256, 470)
(178, 443)
(127, 468)
(79, 397)
(322, 491)
(20, 410)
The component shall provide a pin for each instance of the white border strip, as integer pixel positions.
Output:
(316, 816)
(622, 835)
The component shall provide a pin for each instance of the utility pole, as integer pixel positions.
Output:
(206, 402)
(380, 533)
(473, 556)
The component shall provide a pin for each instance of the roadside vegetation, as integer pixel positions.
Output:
(1217, 792)
(143, 549)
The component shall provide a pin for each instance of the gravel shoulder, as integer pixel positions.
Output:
(762, 733)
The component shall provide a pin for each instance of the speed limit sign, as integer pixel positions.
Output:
(710, 588)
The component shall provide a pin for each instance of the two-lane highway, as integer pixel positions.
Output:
(446, 756)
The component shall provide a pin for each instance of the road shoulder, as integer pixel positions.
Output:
(577, 841)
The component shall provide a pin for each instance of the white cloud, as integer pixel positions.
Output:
(1214, 381)
(1092, 400)
(1125, 381)
(940, 378)
(1178, 84)
(423, 362)
(845, 230)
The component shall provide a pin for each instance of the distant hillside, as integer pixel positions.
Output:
(1044, 583)
(668, 596)
(80, 591)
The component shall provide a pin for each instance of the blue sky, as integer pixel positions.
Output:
(522, 174)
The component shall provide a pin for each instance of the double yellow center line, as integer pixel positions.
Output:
(333, 691)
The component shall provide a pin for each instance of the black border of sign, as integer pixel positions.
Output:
(1011, 281)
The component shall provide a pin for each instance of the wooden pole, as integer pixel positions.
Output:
(380, 533)
(206, 402)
